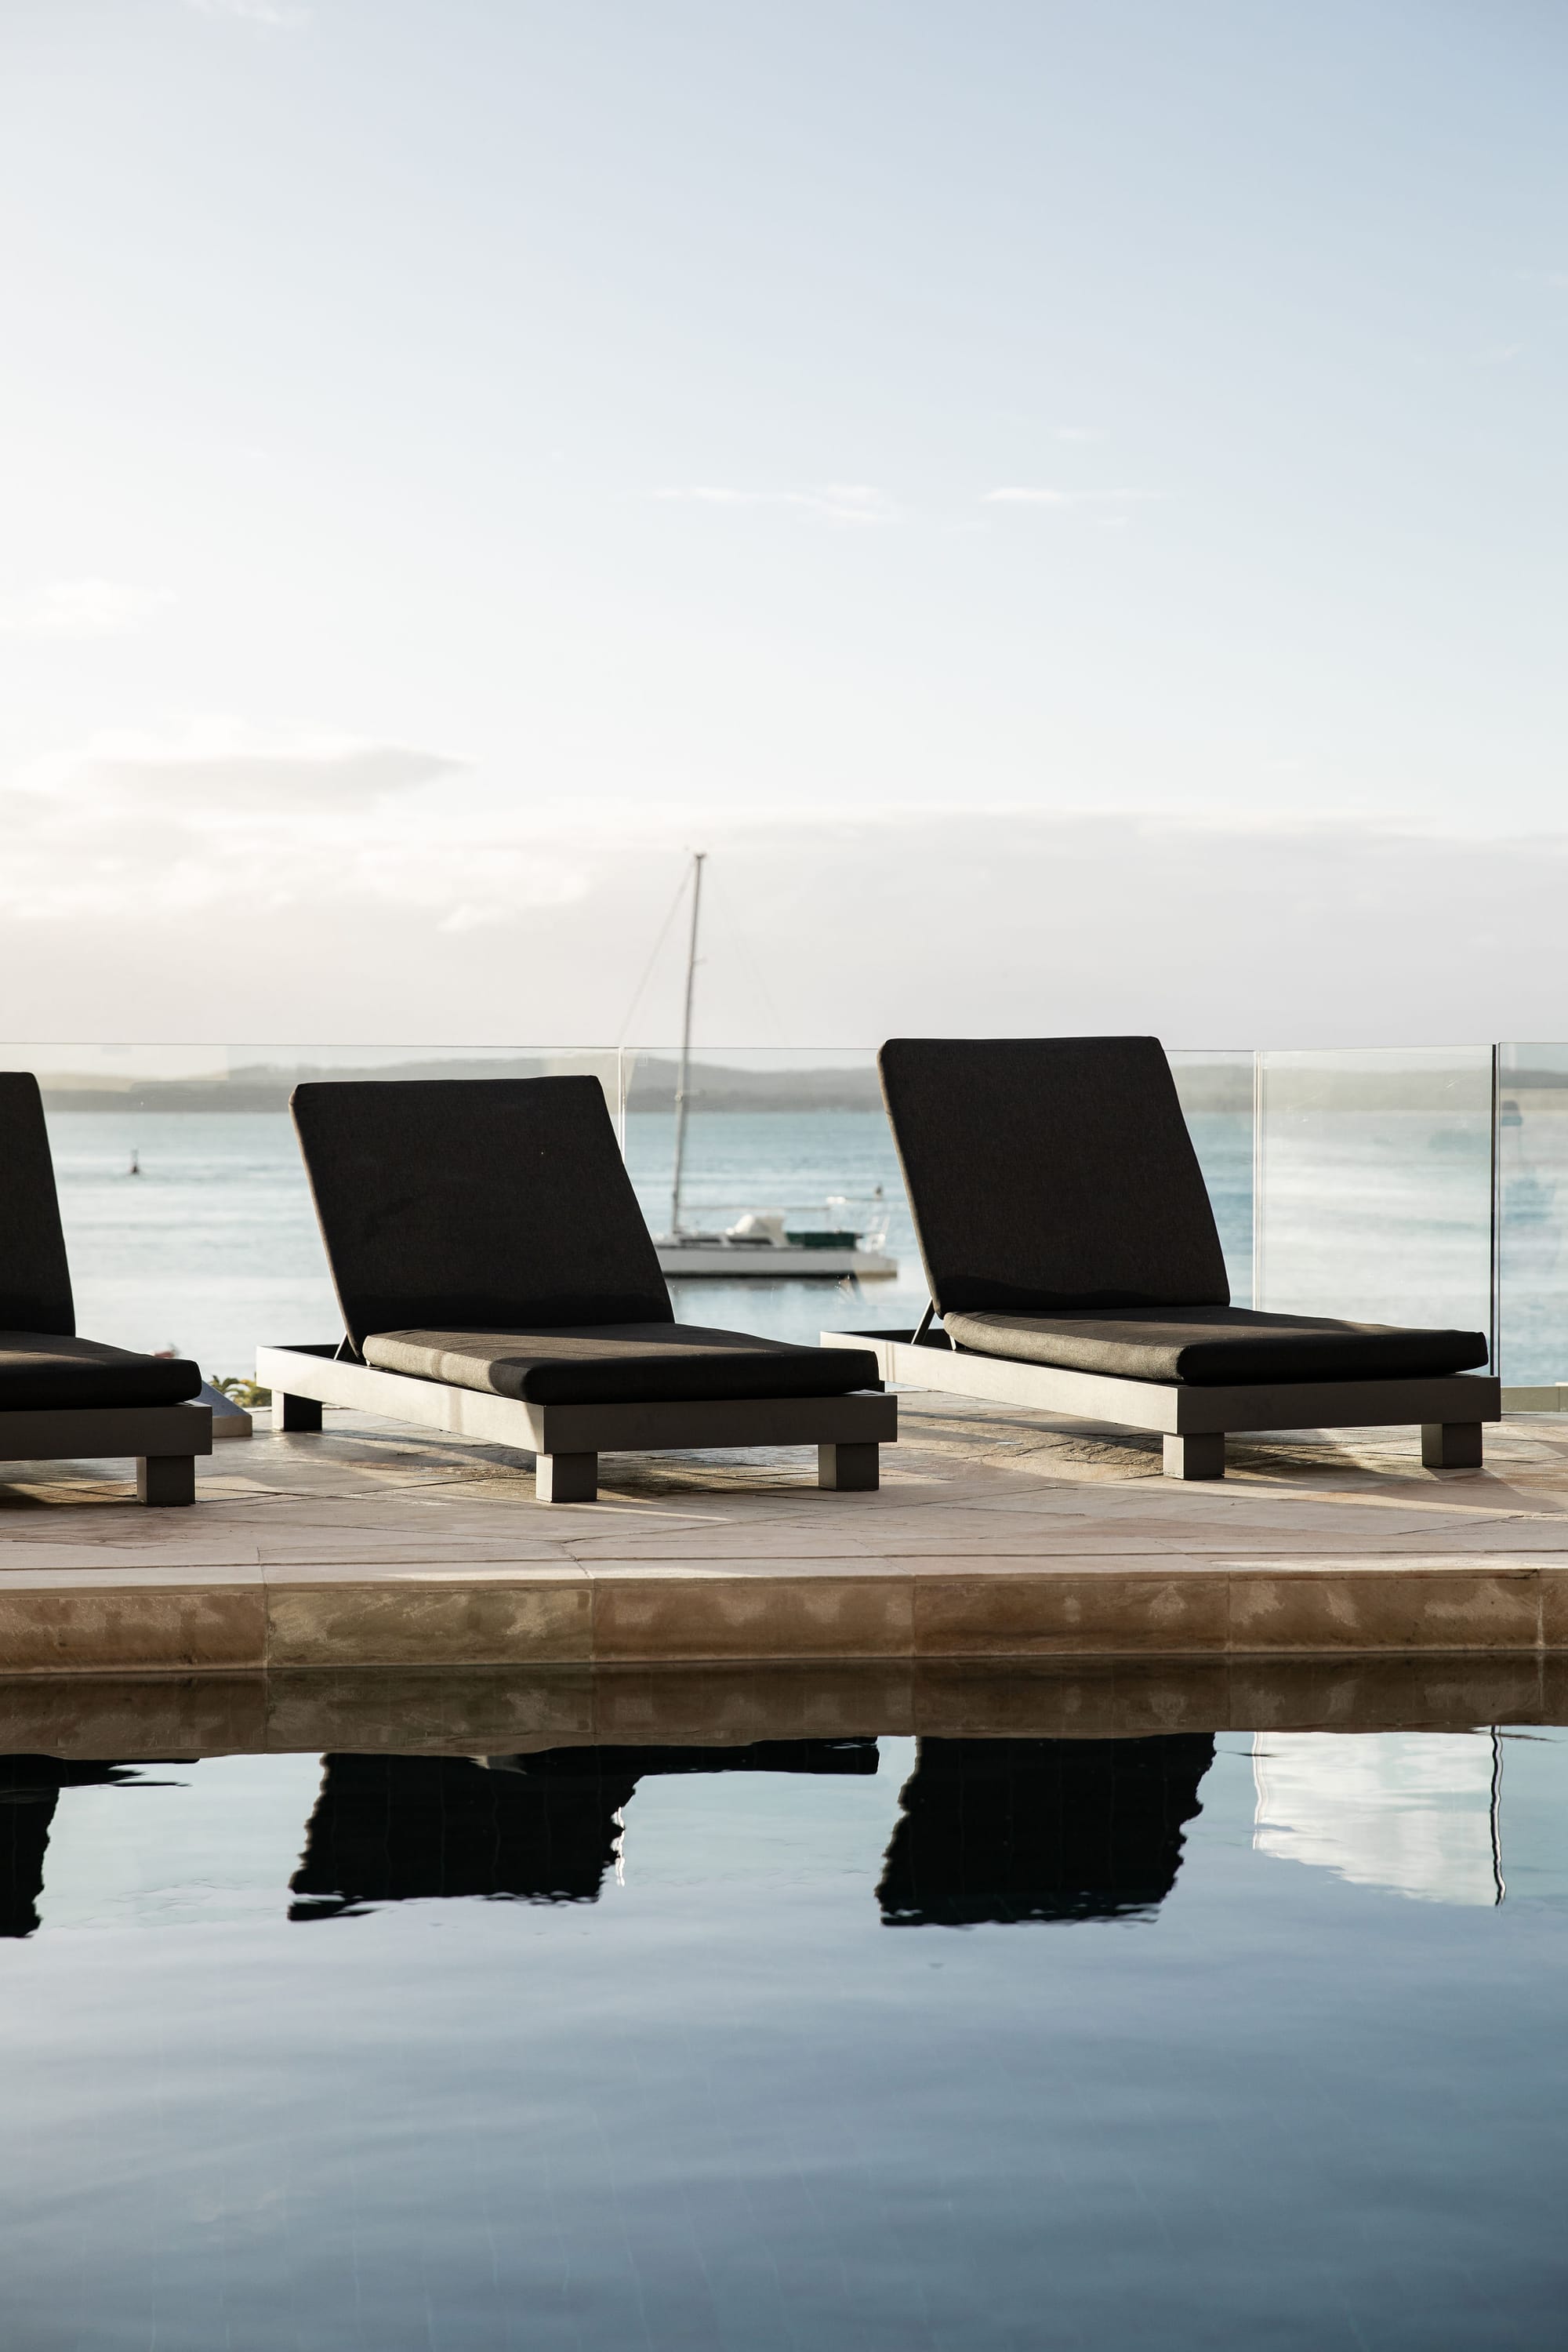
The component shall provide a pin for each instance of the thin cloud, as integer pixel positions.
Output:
(216, 816)
(430, 918)
(79, 608)
(1018, 494)
(217, 767)
(332, 772)
(252, 12)
(1077, 433)
(836, 503)
(355, 772)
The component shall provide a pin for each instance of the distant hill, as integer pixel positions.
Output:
(1206, 1085)
(265, 1087)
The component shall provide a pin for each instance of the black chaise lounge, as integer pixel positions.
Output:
(497, 1279)
(1073, 1259)
(61, 1398)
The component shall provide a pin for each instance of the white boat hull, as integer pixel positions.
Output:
(724, 1261)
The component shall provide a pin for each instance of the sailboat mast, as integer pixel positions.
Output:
(696, 863)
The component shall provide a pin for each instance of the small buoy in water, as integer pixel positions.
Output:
(135, 1167)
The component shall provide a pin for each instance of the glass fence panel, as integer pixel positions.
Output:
(187, 1218)
(796, 1142)
(1533, 1214)
(792, 1217)
(189, 1222)
(1374, 1185)
(1216, 1097)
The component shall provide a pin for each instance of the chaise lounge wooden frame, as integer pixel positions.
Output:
(568, 1439)
(1451, 1409)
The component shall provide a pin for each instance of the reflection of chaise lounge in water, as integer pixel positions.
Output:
(534, 1829)
(29, 1791)
(1041, 1829)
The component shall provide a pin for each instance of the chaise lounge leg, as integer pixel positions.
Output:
(300, 1414)
(1200, 1456)
(566, 1478)
(849, 1469)
(1451, 1446)
(166, 1478)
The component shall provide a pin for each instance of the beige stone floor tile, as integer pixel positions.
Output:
(1389, 1564)
(724, 1566)
(150, 1577)
(280, 1575)
(124, 1626)
(728, 1543)
(370, 1550)
(1554, 1605)
(1443, 1611)
(958, 1615)
(761, 1617)
(427, 1624)
(16, 1560)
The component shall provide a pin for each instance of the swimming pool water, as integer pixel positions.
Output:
(1244, 2041)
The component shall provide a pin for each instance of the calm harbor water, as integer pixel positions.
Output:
(962, 2045)
(1381, 1215)
(213, 1246)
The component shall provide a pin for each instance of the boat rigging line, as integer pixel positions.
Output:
(698, 859)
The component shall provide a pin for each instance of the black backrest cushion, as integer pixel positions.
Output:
(487, 1205)
(35, 1279)
(1047, 1173)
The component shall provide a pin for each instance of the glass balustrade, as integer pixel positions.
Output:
(1216, 1097)
(1426, 1185)
(1374, 1185)
(1533, 1214)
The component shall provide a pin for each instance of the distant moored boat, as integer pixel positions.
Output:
(762, 1246)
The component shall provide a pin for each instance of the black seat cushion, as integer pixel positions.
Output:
(43, 1371)
(480, 1204)
(625, 1363)
(35, 1280)
(1049, 1174)
(1214, 1347)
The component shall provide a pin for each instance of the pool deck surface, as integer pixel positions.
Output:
(996, 1537)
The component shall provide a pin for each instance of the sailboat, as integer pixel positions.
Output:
(763, 1243)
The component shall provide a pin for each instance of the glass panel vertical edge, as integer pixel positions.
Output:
(1533, 1213)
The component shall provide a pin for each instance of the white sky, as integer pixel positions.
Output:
(1066, 503)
